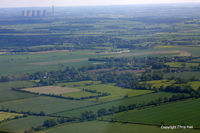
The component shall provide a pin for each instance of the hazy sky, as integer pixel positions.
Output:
(33, 3)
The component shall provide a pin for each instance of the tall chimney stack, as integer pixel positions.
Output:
(44, 13)
(52, 10)
(24, 13)
(29, 13)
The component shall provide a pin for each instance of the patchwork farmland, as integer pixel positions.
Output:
(103, 69)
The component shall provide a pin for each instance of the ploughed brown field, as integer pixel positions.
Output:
(51, 90)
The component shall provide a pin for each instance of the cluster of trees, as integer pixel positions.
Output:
(79, 42)
(72, 75)
(147, 60)
(182, 89)
(51, 123)
(148, 76)
(32, 40)
(88, 116)
(158, 20)
(142, 62)
(127, 80)
(7, 78)
(114, 64)
(180, 80)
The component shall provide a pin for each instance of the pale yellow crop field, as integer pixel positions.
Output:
(51, 90)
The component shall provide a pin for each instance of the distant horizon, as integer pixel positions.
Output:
(77, 3)
(104, 5)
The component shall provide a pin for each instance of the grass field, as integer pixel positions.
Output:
(51, 90)
(46, 104)
(185, 75)
(79, 94)
(6, 115)
(132, 100)
(106, 127)
(182, 112)
(19, 125)
(28, 63)
(116, 92)
(7, 94)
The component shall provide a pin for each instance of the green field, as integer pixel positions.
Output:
(184, 75)
(114, 91)
(106, 127)
(132, 100)
(19, 125)
(28, 63)
(7, 94)
(46, 104)
(182, 112)
(79, 94)
(6, 115)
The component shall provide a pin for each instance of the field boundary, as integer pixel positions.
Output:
(101, 103)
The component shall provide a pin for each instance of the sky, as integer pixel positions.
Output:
(36, 3)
